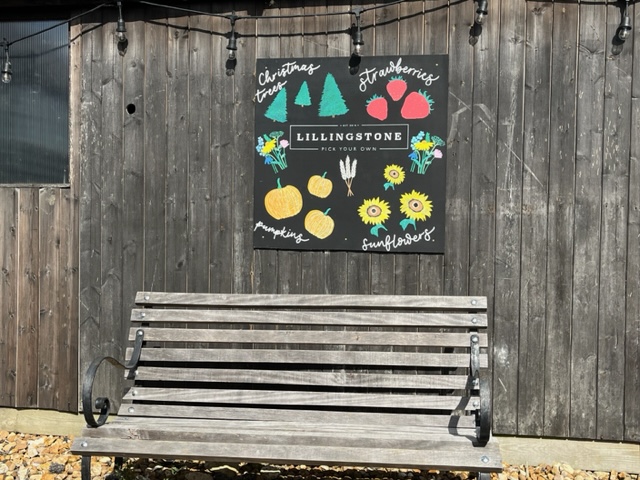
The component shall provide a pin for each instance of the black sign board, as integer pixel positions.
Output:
(351, 161)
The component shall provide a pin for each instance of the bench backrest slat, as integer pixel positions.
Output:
(309, 337)
(266, 301)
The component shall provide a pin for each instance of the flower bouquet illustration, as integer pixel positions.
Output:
(272, 148)
(424, 149)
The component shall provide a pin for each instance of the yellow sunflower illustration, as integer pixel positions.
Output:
(394, 175)
(415, 206)
(374, 212)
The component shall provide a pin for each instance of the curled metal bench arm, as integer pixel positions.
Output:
(102, 404)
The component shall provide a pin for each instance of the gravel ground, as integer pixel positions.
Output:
(31, 457)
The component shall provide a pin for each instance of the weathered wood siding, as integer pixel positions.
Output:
(543, 197)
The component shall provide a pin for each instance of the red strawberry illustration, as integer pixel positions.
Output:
(396, 88)
(416, 105)
(377, 107)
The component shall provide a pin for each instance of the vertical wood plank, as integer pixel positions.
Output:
(613, 238)
(267, 262)
(134, 225)
(459, 153)
(632, 334)
(113, 326)
(199, 168)
(291, 45)
(508, 220)
(435, 40)
(28, 296)
(385, 42)
(177, 154)
(153, 108)
(90, 190)
(9, 274)
(314, 265)
(70, 248)
(560, 220)
(534, 219)
(50, 330)
(243, 127)
(588, 181)
(222, 154)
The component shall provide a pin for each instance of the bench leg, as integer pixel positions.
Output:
(85, 467)
(484, 476)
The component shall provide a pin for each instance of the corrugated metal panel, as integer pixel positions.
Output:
(34, 107)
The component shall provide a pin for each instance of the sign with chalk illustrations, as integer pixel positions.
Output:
(351, 161)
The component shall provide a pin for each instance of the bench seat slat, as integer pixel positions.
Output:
(312, 399)
(266, 301)
(310, 416)
(319, 357)
(443, 453)
(307, 337)
(282, 317)
(339, 378)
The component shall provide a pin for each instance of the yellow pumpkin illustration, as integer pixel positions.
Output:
(319, 224)
(283, 202)
(320, 186)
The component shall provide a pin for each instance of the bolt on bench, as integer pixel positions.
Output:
(353, 380)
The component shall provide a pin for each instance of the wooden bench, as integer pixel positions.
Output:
(338, 380)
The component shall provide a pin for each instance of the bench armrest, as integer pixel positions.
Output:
(102, 403)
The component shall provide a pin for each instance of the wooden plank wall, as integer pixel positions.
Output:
(543, 196)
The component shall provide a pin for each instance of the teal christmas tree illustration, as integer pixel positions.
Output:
(303, 98)
(277, 111)
(332, 102)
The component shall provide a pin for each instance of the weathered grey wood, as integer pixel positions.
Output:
(311, 416)
(508, 220)
(8, 294)
(613, 238)
(91, 153)
(535, 184)
(285, 432)
(222, 155)
(557, 402)
(339, 378)
(307, 357)
(588, 184)
(199, 167)
(177, 154)
(404, 302)
(632, 348)
(153, 107)
(412, 319)
(439, 457)
(309, 337)
(278, 397)
(28, 297)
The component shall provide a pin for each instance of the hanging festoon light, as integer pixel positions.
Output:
(6, 66)
(232, 45)
(624, 29)
(121, 28)
(481, 12)
(356, 32)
